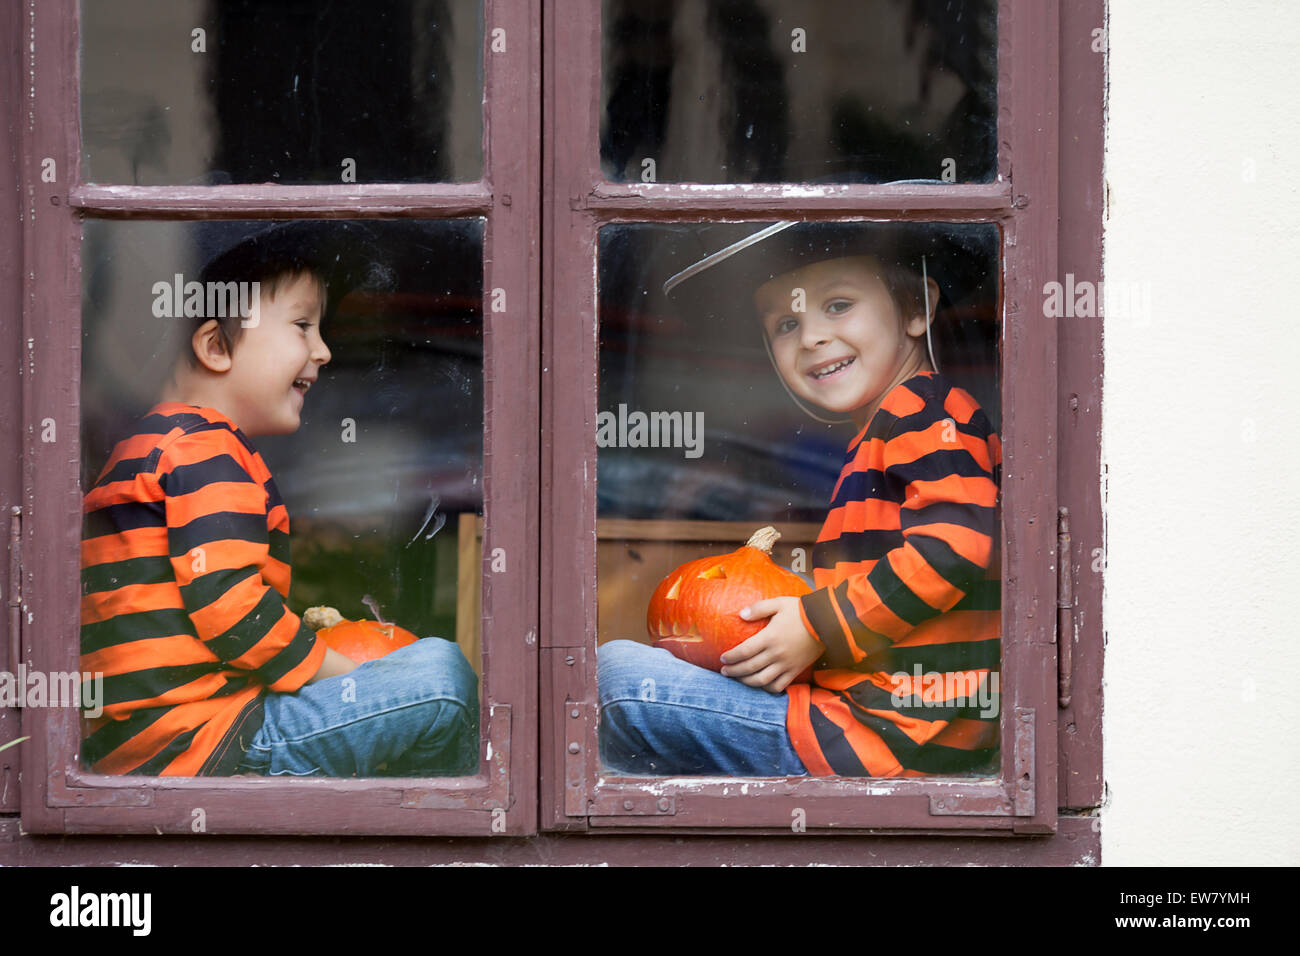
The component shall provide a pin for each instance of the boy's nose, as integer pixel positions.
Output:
(321, 354)
(814, 330)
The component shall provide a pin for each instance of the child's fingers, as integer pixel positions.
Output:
(761, 609)
(745, 650)
(783, 680)
(765, 678)
(744, 666)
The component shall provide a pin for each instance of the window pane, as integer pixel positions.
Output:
(781, 91)
(880, 476)
(376, 462)
(238, 91)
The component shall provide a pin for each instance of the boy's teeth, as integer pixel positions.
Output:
(822, 373)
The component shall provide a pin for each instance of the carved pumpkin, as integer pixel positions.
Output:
(695, 611)
(359, 640)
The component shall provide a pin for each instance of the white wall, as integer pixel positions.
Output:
(1201, 439)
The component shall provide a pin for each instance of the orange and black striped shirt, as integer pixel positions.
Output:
(185, 571)
(908, 598)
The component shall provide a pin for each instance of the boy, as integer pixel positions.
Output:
(903, 628)
(185, 567)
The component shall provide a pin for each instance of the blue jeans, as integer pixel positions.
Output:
(660, 715)
(411, 713)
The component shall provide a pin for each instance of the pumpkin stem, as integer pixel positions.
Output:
(763, 539)
(320, 617)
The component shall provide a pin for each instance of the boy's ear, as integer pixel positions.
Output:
(210, 348)
(917, 323)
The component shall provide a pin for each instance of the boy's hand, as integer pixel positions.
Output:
(777, 654)
(334, 665)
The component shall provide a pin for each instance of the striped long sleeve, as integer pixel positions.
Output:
(911, 526)
(184, 574)
(907, 594)
(220, 525)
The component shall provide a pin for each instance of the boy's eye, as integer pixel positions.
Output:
(838, 306)
(788, 324)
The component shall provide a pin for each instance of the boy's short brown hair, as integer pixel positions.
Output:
(271, 264)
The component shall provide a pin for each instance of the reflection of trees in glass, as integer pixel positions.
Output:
(297, 90)
(958, 40)
(640, 57)
(772, 90)
(133, 124)
(754, 125)
(254, 91)
(637, 78)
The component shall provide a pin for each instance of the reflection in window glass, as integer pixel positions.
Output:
(781, 375)
(777, 90)
(375, 463)
(209, 92)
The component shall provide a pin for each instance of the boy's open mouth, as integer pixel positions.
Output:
(824, 370)
(302, 383)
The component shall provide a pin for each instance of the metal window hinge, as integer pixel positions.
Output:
(630, 803)
(575, 757)
(613, 801)
(1023, 763)
(15, 590)
(1064, 609)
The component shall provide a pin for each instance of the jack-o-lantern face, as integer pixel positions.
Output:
(695, 611)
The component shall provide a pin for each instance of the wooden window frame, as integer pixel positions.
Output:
(40, 285)
(1024, 201)
(64, 798)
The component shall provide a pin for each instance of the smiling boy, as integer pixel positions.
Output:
(185, 571)
(849, 345)
(282, 356)
(904, 566)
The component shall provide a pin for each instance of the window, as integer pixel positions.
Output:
(714, 121)
(406, 485)
(579, 165)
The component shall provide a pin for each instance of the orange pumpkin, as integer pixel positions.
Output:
(359, 640)
(695, 611)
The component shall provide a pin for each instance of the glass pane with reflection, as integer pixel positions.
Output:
(210, 92)
(746, 91)
(356, 484)
(783, 377)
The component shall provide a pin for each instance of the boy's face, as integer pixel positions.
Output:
(849, 345)
(277, 359)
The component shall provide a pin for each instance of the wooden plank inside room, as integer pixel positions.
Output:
(469, 578)
(634, 555)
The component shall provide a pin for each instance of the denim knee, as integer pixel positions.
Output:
(623, 671)
(448, 690)
(444, 662)
(628, 675)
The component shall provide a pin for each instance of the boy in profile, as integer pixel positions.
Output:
(902, 630)
(185, 569)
